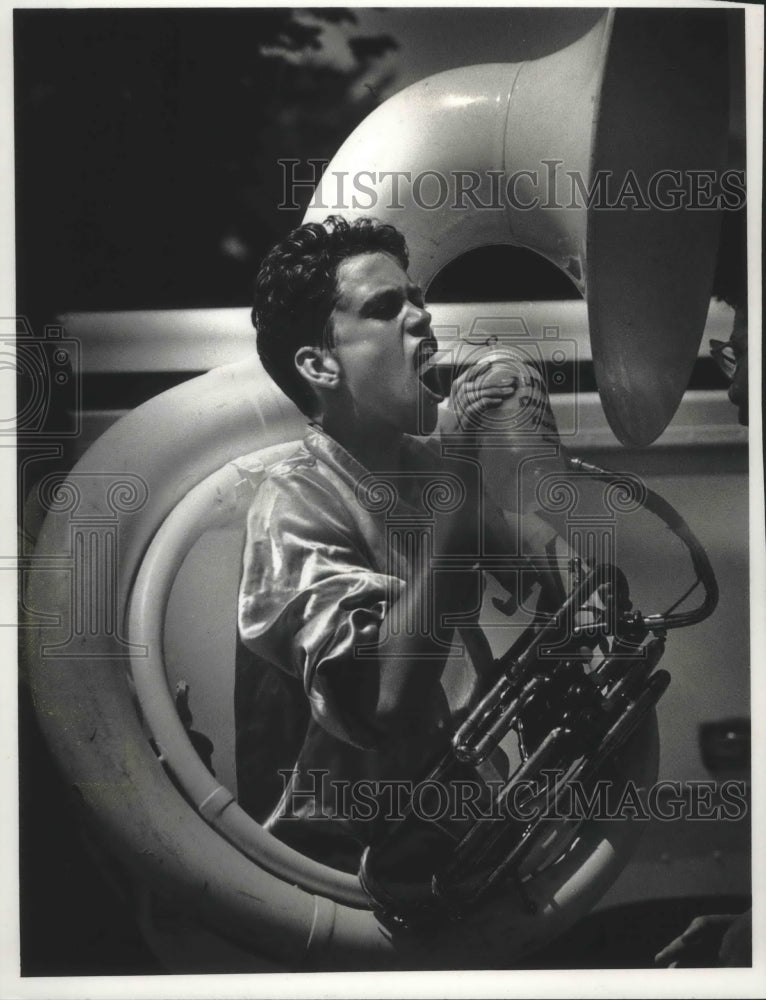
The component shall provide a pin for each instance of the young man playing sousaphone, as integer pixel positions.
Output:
(349, 621)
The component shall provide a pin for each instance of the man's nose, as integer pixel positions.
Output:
(421, 320)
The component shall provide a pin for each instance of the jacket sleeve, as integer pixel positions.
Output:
(310, 602)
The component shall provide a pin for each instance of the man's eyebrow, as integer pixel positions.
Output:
(380, 295)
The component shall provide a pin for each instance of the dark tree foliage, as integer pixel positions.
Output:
(148, 144)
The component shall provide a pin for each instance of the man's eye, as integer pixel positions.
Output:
(386, 308)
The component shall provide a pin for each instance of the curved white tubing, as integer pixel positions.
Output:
(494, 122)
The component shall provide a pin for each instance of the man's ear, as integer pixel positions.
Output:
(318, 367)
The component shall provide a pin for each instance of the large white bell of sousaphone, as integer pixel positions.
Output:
(644, 92)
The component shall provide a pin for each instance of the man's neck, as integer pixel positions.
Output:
(378, 449)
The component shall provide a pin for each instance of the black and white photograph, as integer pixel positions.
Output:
(387, 470)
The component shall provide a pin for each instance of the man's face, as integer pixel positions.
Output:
(382, 341)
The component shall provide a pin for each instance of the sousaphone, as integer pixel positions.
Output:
(644, 90)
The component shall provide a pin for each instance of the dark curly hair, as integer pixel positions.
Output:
(296, 290)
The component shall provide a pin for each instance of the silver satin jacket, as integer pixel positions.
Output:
(324, 563)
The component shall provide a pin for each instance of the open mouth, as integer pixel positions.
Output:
(435, 378)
